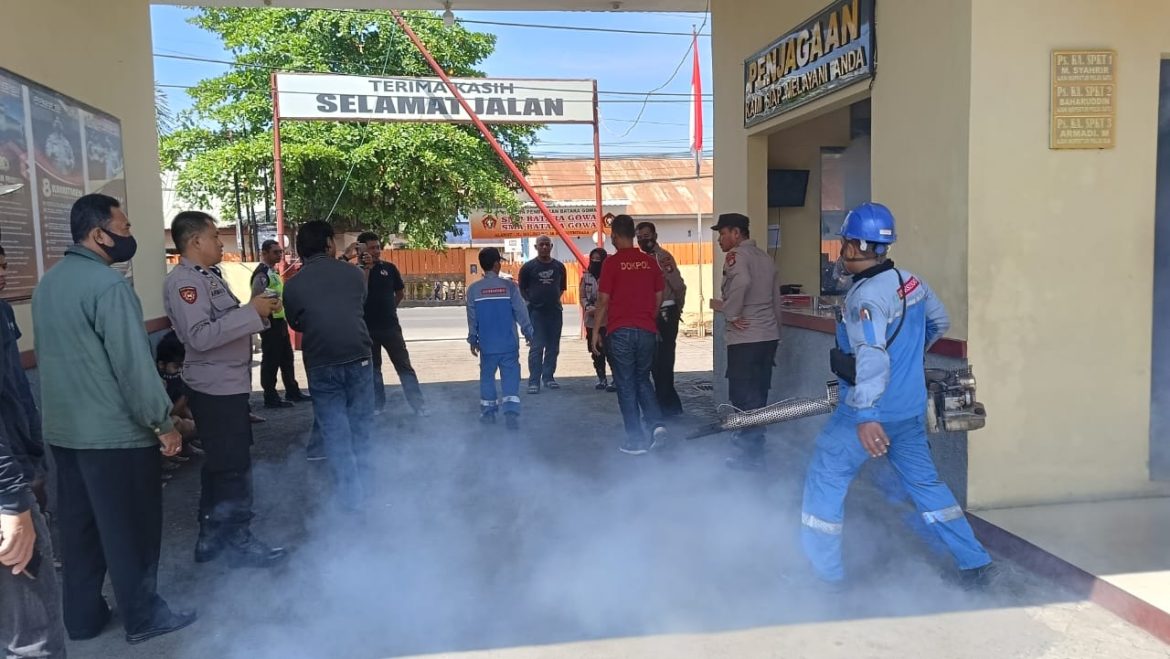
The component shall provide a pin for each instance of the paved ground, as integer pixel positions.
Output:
(551, 543)
(443, 323)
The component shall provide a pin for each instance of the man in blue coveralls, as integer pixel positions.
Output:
(494, 308)
(891, 317)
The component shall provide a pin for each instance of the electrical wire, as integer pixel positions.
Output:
(365, 131)
(545, 26)
(208, 60)
(646, 101)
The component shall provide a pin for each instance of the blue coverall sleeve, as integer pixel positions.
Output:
(472, 326)
(520, 313)
(866, 322)
(937, 320)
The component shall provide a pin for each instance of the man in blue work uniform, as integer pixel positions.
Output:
(494, 308)
(891, 318)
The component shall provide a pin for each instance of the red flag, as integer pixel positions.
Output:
(696, 107)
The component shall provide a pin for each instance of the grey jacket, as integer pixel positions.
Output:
(215, 329)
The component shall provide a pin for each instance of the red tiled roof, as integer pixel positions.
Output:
(668, 188)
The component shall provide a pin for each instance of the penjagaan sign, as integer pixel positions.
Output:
(831, 50)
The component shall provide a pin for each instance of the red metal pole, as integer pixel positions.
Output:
(277, 172)
(491, 139)
(597, 170)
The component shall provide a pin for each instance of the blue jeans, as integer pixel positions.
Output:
(508, 364)
(837, 459)
(631, 353)
(343, 410)
(547, 324)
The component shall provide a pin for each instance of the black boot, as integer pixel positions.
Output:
(272, 401)
(245, 550)
(297, 396)
(210, 541)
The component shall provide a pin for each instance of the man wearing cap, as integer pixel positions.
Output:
(750, 306)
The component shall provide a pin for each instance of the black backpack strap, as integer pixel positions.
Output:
(901, 294)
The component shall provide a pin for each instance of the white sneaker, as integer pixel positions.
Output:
(658, 436)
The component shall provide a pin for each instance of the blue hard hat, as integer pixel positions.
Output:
(870, 223)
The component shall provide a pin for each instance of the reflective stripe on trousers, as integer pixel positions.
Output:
(838, 457)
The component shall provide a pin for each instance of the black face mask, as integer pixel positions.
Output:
(647, 246)
(124, 248)
(595, 269)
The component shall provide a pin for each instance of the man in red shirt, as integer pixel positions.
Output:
(630, 294)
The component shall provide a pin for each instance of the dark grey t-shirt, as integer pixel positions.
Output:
(543, 283)
(325, 301)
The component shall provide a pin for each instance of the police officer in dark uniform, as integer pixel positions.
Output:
(217, 332)
(275, 345)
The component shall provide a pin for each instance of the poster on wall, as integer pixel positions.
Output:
(56, 134)
(59, 149)
(103, 163)
(17, 231)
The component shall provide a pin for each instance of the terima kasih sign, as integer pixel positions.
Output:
(495, 101)
(831, 50)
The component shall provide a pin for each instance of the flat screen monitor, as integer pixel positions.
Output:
(786, 187)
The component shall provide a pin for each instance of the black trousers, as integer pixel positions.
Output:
(277, 354)
(110, 518)
(749, 377)
(599, 361)
(663, 370)
(393, 342)
(225, 497)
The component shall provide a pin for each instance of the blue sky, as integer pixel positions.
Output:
(619, 62)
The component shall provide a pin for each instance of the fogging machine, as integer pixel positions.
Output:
(950, 406)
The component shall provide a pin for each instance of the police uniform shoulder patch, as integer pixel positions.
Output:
(188, 294)
(668, 262)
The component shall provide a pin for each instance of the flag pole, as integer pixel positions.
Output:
(699, 238)
(697, 147)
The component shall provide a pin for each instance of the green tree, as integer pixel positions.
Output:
(163, 117)
(412, 179)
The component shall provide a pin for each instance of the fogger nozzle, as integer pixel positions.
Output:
(950, 406)
(785, 410)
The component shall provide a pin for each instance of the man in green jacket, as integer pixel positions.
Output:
(106, 413)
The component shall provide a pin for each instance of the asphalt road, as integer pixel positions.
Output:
(448, 323)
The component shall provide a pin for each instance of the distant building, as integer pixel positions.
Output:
(659, 190)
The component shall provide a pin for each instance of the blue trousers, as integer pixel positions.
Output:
(508, 364)
(343, 411)
(837, 459)
(631, 355)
